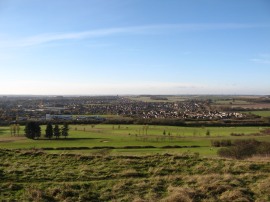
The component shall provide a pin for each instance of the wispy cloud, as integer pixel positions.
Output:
(262, 59)
(147, 29)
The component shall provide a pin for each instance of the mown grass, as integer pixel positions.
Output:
(265, 113)
(121, 136)
(36, 176)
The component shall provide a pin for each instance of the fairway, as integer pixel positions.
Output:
(132, 139)
(265, 113)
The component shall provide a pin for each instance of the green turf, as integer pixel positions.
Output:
(265, 113)
(121, 136)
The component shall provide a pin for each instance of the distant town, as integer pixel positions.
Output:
(102, 108)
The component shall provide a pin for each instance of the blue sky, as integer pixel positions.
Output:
(92, 47)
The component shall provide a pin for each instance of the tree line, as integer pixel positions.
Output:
(33, 130)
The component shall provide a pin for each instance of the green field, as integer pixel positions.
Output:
(231, 101)
(265, 113)
(169, 98)
(124, 137)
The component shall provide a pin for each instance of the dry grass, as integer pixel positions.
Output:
(179, 194)
(234, 196)
(167, 178)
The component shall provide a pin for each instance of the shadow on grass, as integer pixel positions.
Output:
(3, 131)
(72, 139)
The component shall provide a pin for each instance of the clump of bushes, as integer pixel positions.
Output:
(237, 134)
(245, 148)
(266, 131)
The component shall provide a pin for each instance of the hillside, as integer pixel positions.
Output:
(31, 175)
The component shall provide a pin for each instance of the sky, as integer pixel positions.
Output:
(119, 47)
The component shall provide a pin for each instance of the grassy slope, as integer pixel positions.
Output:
(35, 176)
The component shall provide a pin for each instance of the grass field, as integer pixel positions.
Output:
(265, 113)
(169, 98)
(130, 172)
(125, 137)
(234, 102)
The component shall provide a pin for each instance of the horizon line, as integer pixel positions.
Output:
(92, 95)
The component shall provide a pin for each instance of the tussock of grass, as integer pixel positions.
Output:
(180, 194)
(235, 195)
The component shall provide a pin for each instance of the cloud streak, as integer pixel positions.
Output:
(262, 59)
(132, 30)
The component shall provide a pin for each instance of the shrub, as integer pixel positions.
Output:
(245, 148)
(221, 143)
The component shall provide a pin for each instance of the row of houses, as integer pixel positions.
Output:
(62, 117)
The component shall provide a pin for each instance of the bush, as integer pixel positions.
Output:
(245, 148)
(221, 143)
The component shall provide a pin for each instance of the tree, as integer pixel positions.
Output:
(64, 130)
(49, 131)
(11, 127)
(14, 129)
(18, 129)
(32, 130)
(146, 129)
(207, 133)
(56, 131)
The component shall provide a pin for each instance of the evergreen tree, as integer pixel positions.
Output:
(49, 131)
(56, 131)
(65, 130)
(32, 130)
(207, 133)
